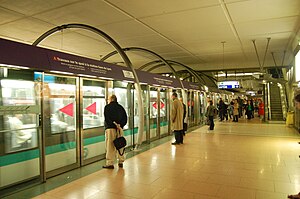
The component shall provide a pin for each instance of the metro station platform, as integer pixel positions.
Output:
(244, 160)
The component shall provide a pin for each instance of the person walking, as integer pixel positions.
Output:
(177, 120)
(113, 113)
(222, 109)
(210, 114)
(249, 110)
(236, 111)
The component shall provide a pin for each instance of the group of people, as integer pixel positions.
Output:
(235, 109)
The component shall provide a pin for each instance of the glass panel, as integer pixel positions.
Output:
(164, 125)
(93, 105)
(153, 113)
(19, 128)
(192, 104)
(93, 118)
(59, 121)
(121, 94)
(136, 113)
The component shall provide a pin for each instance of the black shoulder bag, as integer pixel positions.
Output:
(120, 142)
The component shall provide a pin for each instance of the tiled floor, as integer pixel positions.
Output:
(245, 160)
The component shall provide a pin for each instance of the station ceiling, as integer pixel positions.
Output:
(203, 34)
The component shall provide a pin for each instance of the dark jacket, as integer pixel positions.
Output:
(114, 112)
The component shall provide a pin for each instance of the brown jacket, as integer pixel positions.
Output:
(177, 115)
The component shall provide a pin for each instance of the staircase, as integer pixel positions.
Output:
(275, 103)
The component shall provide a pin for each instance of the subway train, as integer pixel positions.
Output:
(51, 110)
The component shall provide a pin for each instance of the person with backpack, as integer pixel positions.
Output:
(211, 112)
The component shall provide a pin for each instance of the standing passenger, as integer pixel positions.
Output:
(236, 109)
(210, 114)
(176, 119)
(249, 110)
(113, 112)
(261, 109)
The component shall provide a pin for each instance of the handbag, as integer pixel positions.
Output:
(120, 142)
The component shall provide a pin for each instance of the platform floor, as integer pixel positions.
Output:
(244, 160)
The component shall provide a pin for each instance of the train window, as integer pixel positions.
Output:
(122, 97)
(19, 118)
(93, 104)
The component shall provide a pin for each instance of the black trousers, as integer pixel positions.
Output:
(178, 136)
(211, 122)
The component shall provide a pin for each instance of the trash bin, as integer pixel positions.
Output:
(290, 118)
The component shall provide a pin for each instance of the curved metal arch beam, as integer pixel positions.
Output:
(118, 50)
(209, 77)
(155, 67)
(151, 52)
(191, 71)
(148, 64)
(160, 64)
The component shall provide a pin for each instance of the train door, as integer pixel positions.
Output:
(124, 93)
(20, 132)
(191, 104)
(92, 103)
(145, 99)
(154, 113)
(60, 123)
(164, 113)
(203, 104)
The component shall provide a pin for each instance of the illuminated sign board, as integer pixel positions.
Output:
(228, 84)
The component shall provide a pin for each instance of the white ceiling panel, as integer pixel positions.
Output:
(78, 44)
(140, 9)
(27, 29)
(189, 31)
(214, 34)
(256, 10)
(8, 16)
(193, 20)
(91, 12)
(266, 28)
(30, 7)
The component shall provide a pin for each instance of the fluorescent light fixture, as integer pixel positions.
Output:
(237, 74)
(107, 78)
(127, 81)
(14, 66)
(87, 75)
(61, 72)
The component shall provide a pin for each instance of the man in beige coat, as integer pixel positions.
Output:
(176, 119)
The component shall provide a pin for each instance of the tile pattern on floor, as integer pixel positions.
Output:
(232, 162)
